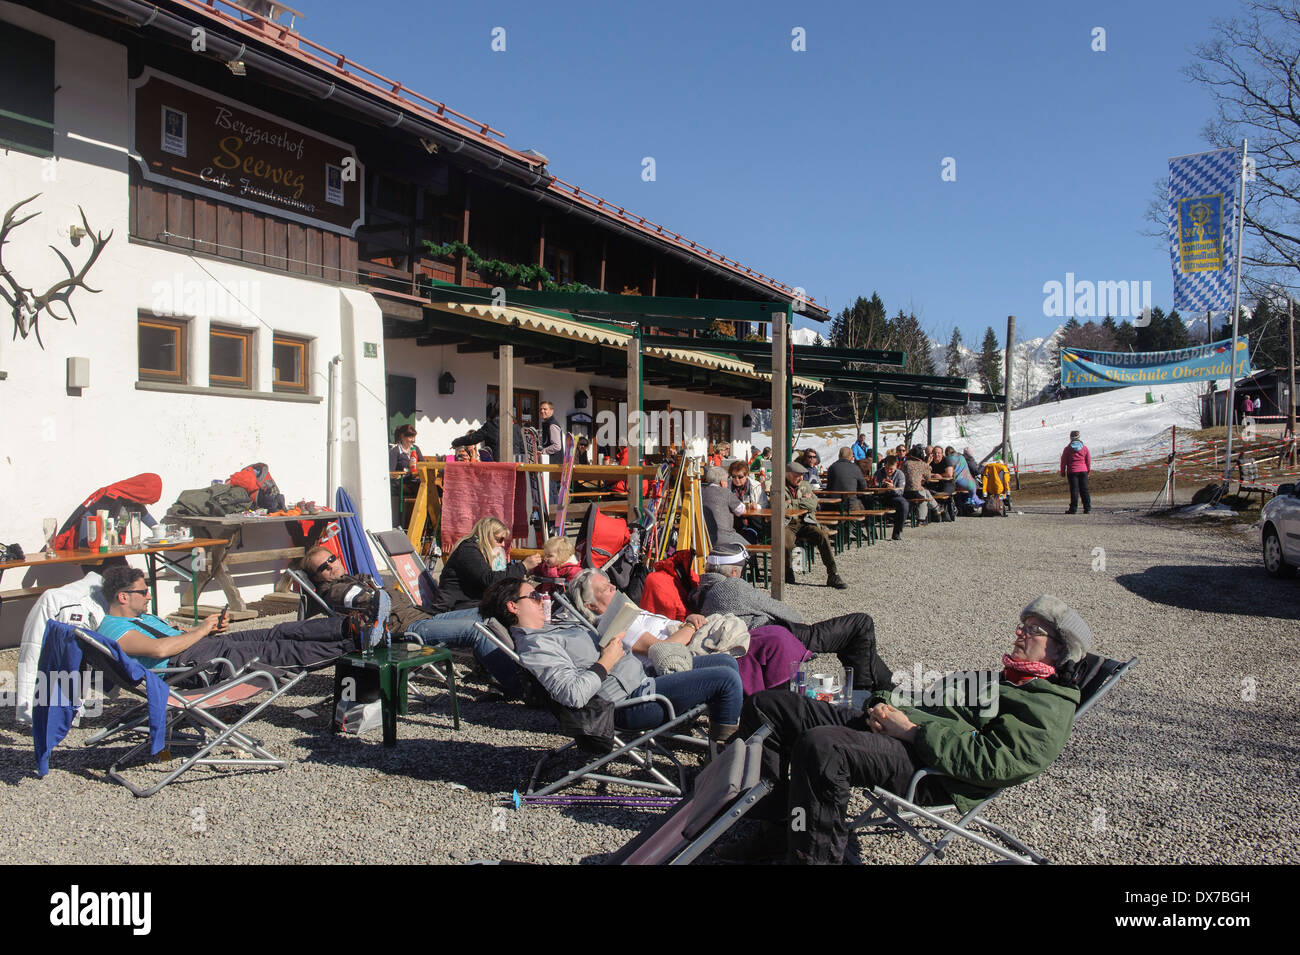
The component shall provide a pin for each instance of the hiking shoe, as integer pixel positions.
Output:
(767, 843)
(789, 575)
(834, 581)
(896, 537)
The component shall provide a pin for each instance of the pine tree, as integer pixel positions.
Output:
(953, 368)
(1125, 336)
(990, 362)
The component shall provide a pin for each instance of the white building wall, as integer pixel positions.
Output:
(440, 418)
(57, 447)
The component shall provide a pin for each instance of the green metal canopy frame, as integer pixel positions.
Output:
(643, 312)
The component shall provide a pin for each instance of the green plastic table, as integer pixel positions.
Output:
(394, 664)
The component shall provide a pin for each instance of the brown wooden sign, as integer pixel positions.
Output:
(189, 138)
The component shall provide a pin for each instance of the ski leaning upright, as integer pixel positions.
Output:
(536, 487)
(566, 482)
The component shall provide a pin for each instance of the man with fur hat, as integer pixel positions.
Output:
(980, 746)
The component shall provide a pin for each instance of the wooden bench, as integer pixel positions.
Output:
(1248, 480)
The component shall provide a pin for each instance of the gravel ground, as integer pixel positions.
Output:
(1192, 760)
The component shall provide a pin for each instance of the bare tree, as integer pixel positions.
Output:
(1252, 68)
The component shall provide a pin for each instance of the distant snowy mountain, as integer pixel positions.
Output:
(1031, 369)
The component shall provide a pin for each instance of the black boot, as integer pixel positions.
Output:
(789, 575)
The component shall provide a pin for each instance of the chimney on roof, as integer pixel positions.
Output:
(539, 156)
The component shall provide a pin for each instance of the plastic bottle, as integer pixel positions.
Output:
(414, 458)
(546, 607)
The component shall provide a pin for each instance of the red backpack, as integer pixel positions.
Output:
(600, 537)
(261, 487)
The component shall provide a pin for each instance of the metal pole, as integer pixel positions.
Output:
(780, 451)
(635, 437)
(929, 424)
(506, 402)
(1236, 298)
(1006, 390)
(1291, 396)
(1173, 456)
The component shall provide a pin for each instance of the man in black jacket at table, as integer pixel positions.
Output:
(845, 475)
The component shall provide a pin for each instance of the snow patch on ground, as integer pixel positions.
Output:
(1120, 428)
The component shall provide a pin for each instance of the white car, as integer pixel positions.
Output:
(1280, 531)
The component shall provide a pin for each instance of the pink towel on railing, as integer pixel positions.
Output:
(476, 489)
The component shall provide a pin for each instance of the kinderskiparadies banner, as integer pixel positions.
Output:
(1082, 368)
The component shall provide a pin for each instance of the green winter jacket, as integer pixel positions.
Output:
(983, 748)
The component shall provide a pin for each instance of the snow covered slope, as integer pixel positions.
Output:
(1119, 427)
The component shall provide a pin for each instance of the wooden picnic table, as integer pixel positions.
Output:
(229, 530)
(152, 553)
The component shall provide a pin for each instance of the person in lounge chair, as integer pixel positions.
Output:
(573, 669)
(850, 636)
(818, 752)
(454, 628)
(156, 644)
(763, 665)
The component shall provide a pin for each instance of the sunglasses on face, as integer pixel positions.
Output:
(141, 592)
(1034, 630)
(532, 595)
(323, 564)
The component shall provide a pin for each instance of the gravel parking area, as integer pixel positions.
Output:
(1193, 759)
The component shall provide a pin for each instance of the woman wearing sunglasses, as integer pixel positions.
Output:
(567, 662)
(479, 558)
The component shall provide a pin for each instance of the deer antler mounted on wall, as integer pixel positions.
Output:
(25, 304)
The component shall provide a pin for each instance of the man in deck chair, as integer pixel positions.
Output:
(153, 642)
(347, 592)
(850, 636)
(817, 752)
(669, 643)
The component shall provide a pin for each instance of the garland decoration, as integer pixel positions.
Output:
(510, 272)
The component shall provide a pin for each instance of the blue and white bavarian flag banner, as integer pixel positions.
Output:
(1202, 218)
(1083, 368)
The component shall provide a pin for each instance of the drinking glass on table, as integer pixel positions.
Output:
(844, 698)
(51, 527)
(799, 678)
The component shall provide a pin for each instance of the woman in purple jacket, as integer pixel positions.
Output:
(1076, 462)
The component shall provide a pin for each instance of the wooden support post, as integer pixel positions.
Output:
(635, 430)
(780, 450)
(875, 424)
(462, 261)
(541, 249)
(506, 401)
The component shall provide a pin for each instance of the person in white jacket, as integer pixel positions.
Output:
(79, 604)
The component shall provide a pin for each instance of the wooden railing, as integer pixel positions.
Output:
(428, 507)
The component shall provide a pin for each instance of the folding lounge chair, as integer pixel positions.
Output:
(191, 717)
(638, 751)
(723, 792)
(405, 564)
(310, 603)
(890, 810)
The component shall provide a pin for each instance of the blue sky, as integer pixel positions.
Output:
(823, 168)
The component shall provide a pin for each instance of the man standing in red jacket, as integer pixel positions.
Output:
(1076, 462)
